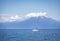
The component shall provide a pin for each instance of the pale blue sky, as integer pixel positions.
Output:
(52, 7)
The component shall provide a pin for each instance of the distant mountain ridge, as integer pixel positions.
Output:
(40, 22)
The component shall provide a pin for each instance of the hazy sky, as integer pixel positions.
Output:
(52, 7)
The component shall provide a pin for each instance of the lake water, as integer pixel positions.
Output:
(29, 35)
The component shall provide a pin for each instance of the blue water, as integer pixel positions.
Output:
(29, 35)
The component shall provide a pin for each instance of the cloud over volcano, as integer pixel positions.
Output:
(18, 17)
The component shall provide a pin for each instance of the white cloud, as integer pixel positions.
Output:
(12, 17)
(36, 14)
(9, 18)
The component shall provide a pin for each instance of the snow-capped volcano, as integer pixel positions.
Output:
(29, 21)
